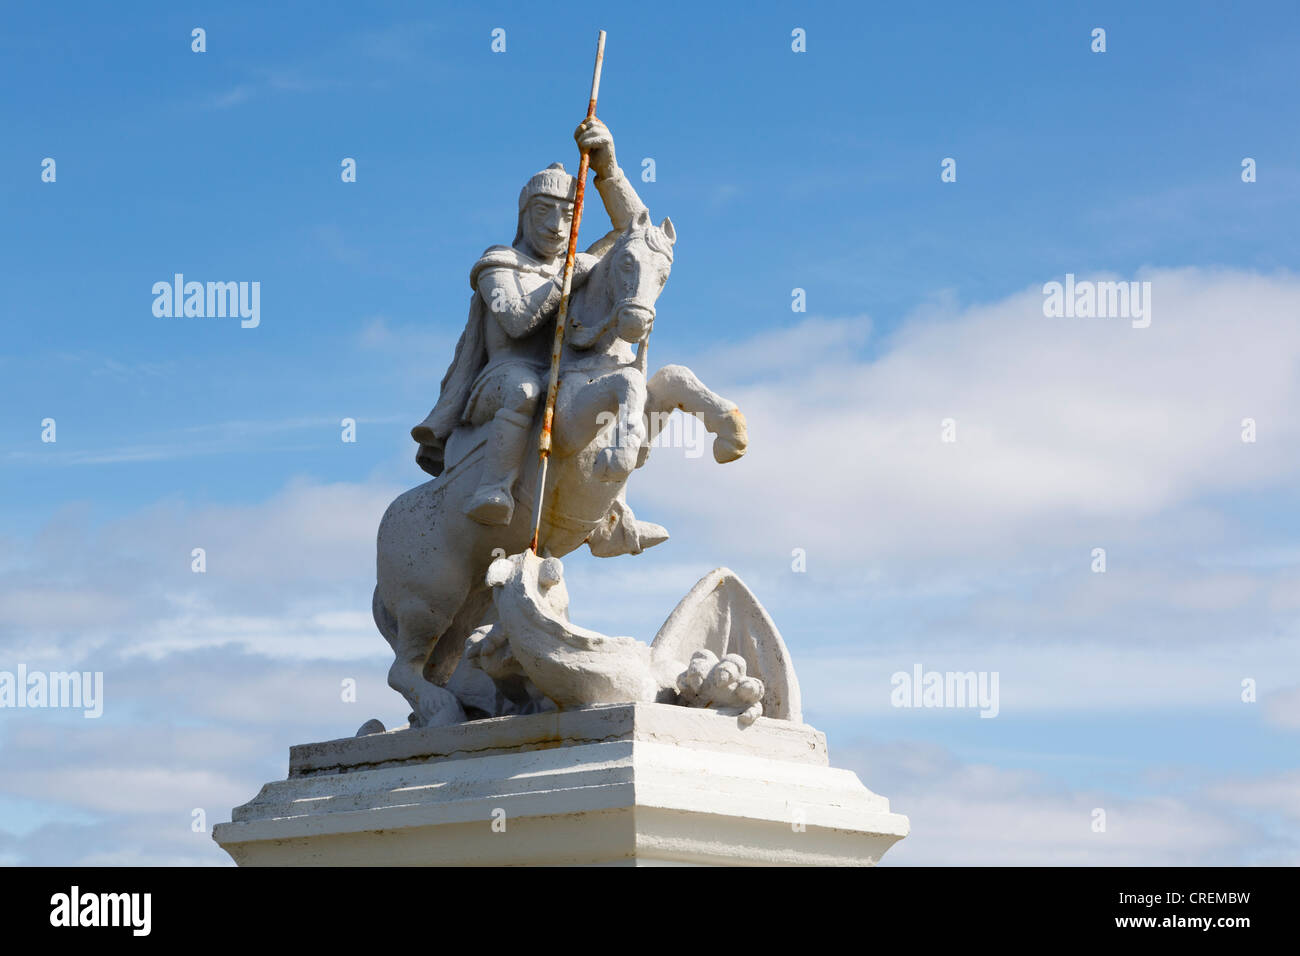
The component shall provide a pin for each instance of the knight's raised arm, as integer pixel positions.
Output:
(621, 200)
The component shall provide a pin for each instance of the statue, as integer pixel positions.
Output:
(689, 748)
(498, 373)
(470, 591)
(701, 657)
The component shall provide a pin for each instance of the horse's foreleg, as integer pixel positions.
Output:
(676, 387)
(626, 452)
(614, 403)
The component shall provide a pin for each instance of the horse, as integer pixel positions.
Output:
(431, 590)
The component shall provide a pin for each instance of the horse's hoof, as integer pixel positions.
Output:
(648, 534)
(614, 464)
(493, 507)
(446, 716)
(732, 439)
(725, 451)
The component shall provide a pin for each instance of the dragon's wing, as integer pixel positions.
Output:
(720, 614)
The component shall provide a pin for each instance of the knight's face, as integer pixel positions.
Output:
(546, 225)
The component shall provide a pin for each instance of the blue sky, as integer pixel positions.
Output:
(817, 170)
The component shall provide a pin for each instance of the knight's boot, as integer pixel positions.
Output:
(494, 501)
(423, 432)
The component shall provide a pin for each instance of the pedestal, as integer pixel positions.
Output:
(616, 785)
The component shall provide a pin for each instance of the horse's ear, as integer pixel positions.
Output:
(669, 232)
(641, 219)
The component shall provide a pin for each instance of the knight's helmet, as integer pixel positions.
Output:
(551, 181)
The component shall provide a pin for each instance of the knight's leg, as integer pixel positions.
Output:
(675, 386)
(418, 629)
(494, 501)
(515, 402)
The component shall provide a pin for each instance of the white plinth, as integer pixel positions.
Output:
(623, 784)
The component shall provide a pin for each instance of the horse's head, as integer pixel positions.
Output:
(637, 268)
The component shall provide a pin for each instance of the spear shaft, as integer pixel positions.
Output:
(562, 317)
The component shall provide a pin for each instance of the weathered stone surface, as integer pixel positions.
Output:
(649, 723)
(718, 649)
(535, 740)
(482, 439)
(640, 784)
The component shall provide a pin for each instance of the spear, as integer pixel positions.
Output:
(562, 317)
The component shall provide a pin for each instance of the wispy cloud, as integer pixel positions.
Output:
(365, 58)
(976, 814)
(232, 97)
(967, 556)
(193, 441)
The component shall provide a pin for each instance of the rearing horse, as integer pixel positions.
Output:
(432, 560)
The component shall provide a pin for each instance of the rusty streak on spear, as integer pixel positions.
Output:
(562, 317)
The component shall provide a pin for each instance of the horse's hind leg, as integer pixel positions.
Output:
(418, 628)
(675, 386)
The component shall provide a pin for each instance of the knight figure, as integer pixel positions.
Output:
(499, 371)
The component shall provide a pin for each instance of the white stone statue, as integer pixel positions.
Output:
(706, 654)
(592, 749)
(437, 543)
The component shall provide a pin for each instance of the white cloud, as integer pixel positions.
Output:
(1282, 708)
(129, 790)
(1051, 676)
(292, 574)
(1073, 434)
(1276, 793)
(969, 814)
(1064, 426)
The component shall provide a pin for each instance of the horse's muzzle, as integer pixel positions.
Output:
(634, 320)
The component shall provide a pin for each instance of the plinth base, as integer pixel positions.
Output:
(621, 785)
